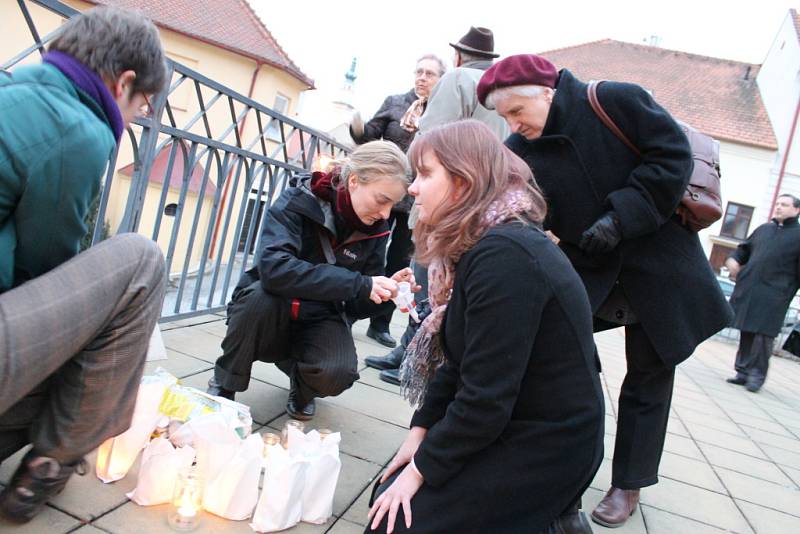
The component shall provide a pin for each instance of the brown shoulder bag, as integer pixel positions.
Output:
(701, 205)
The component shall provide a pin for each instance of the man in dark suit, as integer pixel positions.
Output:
(614, 213)
(766, 268)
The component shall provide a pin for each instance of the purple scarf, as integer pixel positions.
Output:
(90, 83)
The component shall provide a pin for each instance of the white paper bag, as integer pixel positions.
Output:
(116, 455)
(280, 504)
(156, 349)
(321, 477)
(232, 493)
(161, 463)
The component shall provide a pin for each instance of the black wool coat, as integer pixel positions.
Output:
(585, 171)
(515, 415)
(292, 262)
(769, 278)
(385, 124)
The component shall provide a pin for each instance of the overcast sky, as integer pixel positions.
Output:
(322, 36)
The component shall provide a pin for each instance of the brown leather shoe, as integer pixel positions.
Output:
(616, 507)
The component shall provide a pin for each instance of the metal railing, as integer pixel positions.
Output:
(199, 186)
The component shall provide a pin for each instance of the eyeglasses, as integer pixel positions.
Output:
(147, 109)
(424, 73)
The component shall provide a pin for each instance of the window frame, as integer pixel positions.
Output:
(741, 209)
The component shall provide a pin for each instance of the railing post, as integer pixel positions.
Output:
(147, 147)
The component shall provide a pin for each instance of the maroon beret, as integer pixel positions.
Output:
(522, 69)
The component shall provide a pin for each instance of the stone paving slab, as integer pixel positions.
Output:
(731, 461)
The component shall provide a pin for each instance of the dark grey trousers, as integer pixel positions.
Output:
(644, 402)
(72, 348)
(319, 355)
(752, 358)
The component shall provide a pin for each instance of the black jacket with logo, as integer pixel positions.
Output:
(292, 261)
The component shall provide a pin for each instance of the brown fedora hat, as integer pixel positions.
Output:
(477, 41)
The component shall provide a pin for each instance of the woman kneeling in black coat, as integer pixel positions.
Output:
(510, 428)
(320, 268)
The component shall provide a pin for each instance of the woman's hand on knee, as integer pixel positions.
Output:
(398, 494)
(406, 452)
(383, 289)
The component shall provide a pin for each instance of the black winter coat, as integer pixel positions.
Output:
(385, 124)
(292, 261)
(585, 171)
(515, 415)
(769, 278)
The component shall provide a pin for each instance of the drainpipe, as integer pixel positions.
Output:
(785, 160)
(228, 180)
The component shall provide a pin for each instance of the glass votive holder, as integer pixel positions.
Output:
(187, 501)
(324, 433)
(270, 440)
(299, 425)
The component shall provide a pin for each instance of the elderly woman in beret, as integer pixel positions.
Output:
(613, 209)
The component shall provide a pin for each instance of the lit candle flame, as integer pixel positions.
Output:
(186, 507)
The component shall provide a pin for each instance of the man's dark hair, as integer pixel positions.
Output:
(110, 41)
(795, 200)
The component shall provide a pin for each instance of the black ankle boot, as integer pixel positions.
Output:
(390, 361)
(297, 407)
(216, 389)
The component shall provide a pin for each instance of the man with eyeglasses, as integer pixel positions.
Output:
(74, 328)
(397, 121)
(453, 98)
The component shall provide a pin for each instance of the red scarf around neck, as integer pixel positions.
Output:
(326, 186)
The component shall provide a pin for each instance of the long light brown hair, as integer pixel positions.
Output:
(485, 169)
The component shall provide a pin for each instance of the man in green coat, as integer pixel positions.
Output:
(74, 328)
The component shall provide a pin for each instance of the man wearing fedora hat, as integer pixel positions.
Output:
(613, 209)
(453, 98)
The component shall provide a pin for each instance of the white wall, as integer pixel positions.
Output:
(779, 83)
(746, 177)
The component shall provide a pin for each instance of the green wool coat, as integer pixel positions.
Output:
(55, 143)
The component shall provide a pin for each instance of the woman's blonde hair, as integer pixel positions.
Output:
(373, 161)
(474, 157)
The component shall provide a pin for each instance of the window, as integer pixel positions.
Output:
(281, 106)
(737, 220)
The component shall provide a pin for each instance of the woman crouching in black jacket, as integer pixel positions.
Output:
(320, 268)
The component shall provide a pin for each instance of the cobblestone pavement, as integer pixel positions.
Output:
(731, 460)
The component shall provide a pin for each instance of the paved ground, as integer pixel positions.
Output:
(731, 460)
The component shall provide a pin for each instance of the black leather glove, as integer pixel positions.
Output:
(603, 236)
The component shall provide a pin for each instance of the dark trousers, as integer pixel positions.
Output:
(398, 256)
(72, 348)
(319, 356)
(423, 308)
(644, 403)
(558, 526)
(752, 358)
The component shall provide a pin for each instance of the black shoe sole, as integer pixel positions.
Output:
(387, 344)
(381, 366)
(389, 381)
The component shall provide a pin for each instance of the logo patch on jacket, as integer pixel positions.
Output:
(349, 253)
